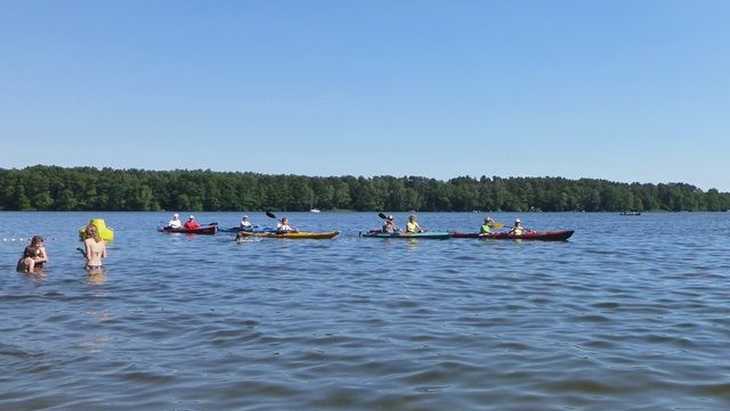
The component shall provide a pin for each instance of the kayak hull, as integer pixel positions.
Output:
(297, 235)
(464, 235)
(239, 229)
(205, 230)
(531, 236)
(411, 236)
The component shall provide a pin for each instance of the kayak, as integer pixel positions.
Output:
(463, 235)
(532, 235)
(291, 235)
(424, 236)
(239, 229)
(206, 230)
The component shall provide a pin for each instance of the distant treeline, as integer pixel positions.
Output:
(57, 188)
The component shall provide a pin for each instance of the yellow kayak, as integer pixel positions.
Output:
(291, 235)
(106, 233)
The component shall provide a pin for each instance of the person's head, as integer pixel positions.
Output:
(176, 216)
(411, 218)
(36, 241)
(518, 222)
(390, 219)
(92, 232)
(284, 220)
(191, 218)
(244, 218)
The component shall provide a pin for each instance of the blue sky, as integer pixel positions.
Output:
(623, 90)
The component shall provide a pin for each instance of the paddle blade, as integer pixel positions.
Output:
(270, 215)
(383, 216)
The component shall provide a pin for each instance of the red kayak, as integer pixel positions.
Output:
(207, 230)
(530, 235)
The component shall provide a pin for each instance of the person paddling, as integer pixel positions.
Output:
(389, 225)
(283, 226)
(245, 224)
(412, 226)
(486, 228)
(191, 224)
(518, 229)
(175, 221)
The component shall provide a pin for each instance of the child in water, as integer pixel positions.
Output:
(34, 256)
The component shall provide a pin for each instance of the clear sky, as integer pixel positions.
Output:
(623, 90)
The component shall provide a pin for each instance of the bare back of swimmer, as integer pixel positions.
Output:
(95, 249)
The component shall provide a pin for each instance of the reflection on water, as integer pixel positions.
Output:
(37, 276)
(96, 277)
(627, 315)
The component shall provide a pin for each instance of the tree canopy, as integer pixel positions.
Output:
(87, 188)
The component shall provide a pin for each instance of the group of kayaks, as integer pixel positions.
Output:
(212, 229)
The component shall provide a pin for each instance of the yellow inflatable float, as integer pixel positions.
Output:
(106, 233)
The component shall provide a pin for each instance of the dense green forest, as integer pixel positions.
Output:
(57, 188)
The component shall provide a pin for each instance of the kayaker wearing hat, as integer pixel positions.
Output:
(191, 224)
(486, 228)
(412, 225)
(175, 222)
(283, 226)
(518, 228)
(389, 225)
(245, 224)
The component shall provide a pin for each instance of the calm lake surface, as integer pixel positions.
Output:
(633, 313)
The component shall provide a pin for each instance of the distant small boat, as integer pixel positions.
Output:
(314, 210)
(631, 213)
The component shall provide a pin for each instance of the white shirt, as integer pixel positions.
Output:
(283, 227)
(175, 223)
(245, 223)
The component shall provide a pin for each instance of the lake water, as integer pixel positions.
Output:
(633, 313)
